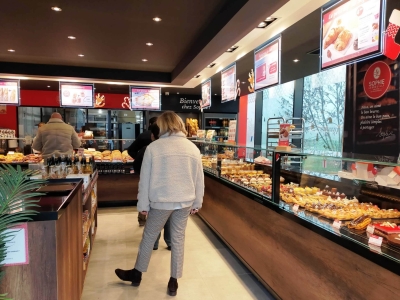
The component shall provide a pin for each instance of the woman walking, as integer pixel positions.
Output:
(171, 186)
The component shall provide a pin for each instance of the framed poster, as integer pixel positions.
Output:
(228, 84)
(76, 94)
(145, 98)
(267, 64)
(9, 92)
(351, 30)
(206, 94)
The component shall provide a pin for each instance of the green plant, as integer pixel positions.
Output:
(16, 204)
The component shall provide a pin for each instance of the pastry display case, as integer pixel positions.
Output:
(354, 202)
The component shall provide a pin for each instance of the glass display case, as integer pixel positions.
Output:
(354, 202)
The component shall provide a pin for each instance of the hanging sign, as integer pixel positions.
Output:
(228, 84)
(9, 92)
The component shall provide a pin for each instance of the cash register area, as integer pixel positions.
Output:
(211, 271)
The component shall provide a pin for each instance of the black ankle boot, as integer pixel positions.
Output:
(172, 286)
(133, 276)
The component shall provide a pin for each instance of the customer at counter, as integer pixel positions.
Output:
(56, 138)
(143, 140)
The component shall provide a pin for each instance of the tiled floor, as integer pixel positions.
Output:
(211, 271)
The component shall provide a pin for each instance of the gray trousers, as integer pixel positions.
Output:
(155, 222)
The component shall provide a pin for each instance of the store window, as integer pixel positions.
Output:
(323, 111)
(277, 103)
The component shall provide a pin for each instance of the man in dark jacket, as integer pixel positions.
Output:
(141, 141)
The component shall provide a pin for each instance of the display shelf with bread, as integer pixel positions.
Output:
(275, 203)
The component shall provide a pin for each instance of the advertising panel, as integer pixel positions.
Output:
(350, 30)
(228, 84)
(9, 92)
(267, 65)
(206, 94)
(76, 94)
(145, 98)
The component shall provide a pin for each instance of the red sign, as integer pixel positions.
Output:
(377, 80)
(391, 48)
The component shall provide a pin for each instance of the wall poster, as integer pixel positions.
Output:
(228, 84)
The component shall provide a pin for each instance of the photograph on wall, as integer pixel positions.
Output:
(267, 65)
(323, 111)
(76, 95)
(145, 98)
(228, 84)
(206, 94)
(350, 30)
(9, 92)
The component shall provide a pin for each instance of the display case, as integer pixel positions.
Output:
(355, 203)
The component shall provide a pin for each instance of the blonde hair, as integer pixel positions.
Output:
(169, 122)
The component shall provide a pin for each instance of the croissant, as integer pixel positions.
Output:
(343, 40)
(332, 36)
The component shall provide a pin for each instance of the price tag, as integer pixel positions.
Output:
(337, 224)
(371, 229)
(296, 208)
(375, 240)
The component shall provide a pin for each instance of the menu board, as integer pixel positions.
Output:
(377, 114)
(76, 94)
(267, 66)
(145, 98)
(9, 92)
(350, 30)
(206, 94)
(228, 84)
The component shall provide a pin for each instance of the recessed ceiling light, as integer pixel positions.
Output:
(157, 19)
(211, 65)
(81, 55)
(197, 76)
(231, 49)
(48, 86)
(215, 94)
(243, 82)
(262, 25)
(55, 8)
(295, 60)
(149, 44)
(11, 50)
(178, 93)
(71, 37)
(144, 59)
(269, 19)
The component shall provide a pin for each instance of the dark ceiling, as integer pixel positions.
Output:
(113, 36)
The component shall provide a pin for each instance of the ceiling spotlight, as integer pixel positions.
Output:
(211, 65)
(144, 59)
(215, 94)
(296, 60)
(157, 19)
(55, 8)
(149, 44)
(231, 49)
(71, 37)
(48, 86)
(11, 50)
(262, 25)
(269, 19)
(197, 76)
(81, 55)
(243, 82)
(178, 93)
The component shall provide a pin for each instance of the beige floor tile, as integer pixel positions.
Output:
(210, 270)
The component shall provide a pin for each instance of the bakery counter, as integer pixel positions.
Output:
(292, 253)
(117, 189)
(56, 239)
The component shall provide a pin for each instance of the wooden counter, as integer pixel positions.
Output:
(291, 260)
(55, 269)
(118, 189)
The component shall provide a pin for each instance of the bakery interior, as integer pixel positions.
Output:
(318, 218)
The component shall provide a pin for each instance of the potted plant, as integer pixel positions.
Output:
(16, 205)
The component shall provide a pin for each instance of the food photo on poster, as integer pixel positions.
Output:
(351, 30)
(76, 95)
(267, 64)
(145, 98)
(377, 107)
(228, 84)
(9, 92)
(206, 94)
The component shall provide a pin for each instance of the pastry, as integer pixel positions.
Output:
(394, 240)
(5, 94)
(360, 223)
(343, 40)
(386, 228)
(12, 96)
(332, 36)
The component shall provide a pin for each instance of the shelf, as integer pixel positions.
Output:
(216, 127)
